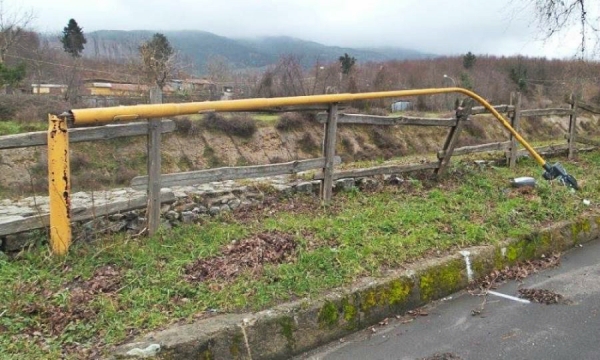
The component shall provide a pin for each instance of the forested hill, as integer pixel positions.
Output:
(200, 46)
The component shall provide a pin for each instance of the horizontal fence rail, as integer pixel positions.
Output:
(547, 112)
(233, 173)
(380, 170)
(113, 131)
(388, 120)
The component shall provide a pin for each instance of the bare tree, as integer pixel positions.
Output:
(291, 76)
(12, 27)
(556, 16)
(219, 69)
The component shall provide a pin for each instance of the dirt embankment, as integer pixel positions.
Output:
(113, 163)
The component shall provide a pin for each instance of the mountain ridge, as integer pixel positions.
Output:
(241, 53)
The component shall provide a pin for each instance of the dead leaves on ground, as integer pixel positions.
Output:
(443, 356)
(516, 272)
(542, 296)
(79, 294)
(56, 319)
(250, 254)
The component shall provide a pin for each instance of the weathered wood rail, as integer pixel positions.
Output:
(327, 163)
(233, 173)
(40, 138)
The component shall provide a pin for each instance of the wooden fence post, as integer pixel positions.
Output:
(572, 127)
(462, 115)
(514, 122)
(329, 153)
(154, 165)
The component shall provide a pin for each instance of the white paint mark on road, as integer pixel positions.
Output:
(510, 297)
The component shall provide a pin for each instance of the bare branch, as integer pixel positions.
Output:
(556, 16)
(12, 25)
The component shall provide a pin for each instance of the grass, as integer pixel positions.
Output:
(265, 117)
(360, 234)
(15, 127)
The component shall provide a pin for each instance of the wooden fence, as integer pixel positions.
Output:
(326, 163)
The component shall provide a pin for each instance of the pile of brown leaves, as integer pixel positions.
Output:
(516, 272)
(444, 356)
(542, 296)
(247, 255)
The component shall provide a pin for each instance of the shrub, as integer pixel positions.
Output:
(238, 125)
(242, 161)
(475, 129)
(124, 175)
(360, 140)
(308, 144)
(586, 126)
(183, 126)
(30, 108)
(277, 160)
(7, 111)
(79, 161)
(347, 145)
(290, 121)
(211, 157)
(382, 139)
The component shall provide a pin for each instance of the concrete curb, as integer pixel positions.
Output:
(290, 329)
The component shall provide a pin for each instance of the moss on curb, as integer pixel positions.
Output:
(440, 280)
(350, 313)
(235, 346)
(288, 327)
(328, 315)
(578, 227)
(399, 291)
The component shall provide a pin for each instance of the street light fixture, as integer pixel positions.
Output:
(453, 84)
(448, 77)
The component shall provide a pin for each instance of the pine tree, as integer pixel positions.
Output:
(469, 60)
(347, 62)
(73, 39)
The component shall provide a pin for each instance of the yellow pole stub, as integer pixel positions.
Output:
(59, 185)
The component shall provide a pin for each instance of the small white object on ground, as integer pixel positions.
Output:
(586, 202)
(150, 351)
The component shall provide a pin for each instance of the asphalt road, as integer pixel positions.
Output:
(505, 329)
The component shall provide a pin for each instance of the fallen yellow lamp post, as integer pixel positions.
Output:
(99, 116)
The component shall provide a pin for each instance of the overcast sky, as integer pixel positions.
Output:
(500, 27)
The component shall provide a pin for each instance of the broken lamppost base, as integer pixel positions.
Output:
(557, 171)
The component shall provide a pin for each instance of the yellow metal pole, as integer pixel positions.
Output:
(99, 116)
(59, 185)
